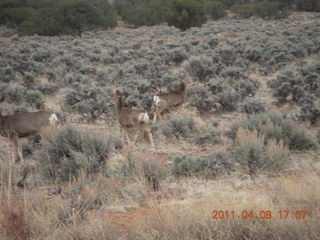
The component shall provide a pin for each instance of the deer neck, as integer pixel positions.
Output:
(119, 104)
(183, 89)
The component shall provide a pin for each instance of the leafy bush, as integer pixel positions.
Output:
(185, 166)
(200, 69)
(249, 150)
(179, 127)
(147, 170)
(255, 155)
(270, 10)
(244, 10)
(247, 87)
(253, 106)
(48, 89)
(128, 170)
(303, 88)
(275, 126)
(263, 9)
(211, 136)
(71, 17)
(34, 98)
(184, 14)
(233, 74)
(308, 5)
(8, 74)
(200, 99)
(20, 95)
(215, 9)
(228, 99)
(30, 81)
(90, 102)
(13, 15)
(153, 173)
(142, 12)
(70, 151)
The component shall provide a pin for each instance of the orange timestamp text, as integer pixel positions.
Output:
(262, 214)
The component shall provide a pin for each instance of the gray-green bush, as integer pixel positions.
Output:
(64, 154)
(179, 127)
(275, 126)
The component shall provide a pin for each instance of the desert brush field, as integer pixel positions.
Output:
(238, 160)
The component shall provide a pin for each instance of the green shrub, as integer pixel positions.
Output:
(229, 99)
(256, 155)
(185, 166)
(14, 94)
(8, 74)
(48, 89)
(308, 5)
(30, 81)
(184, 14)
(153, 173)
(253, 106)
(264, 9)
(71, 17)
(34, 98)
(70, 151)
(244, 10)
(90, 102)
(200, 69)
(215, 9)
(13, 16)
(249, 150)
(200, 99)
(211, 136)
(180, 127)
(269, 10)
(303, 88)
(142, 12)
(275, 126)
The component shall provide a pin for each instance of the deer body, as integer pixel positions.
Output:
(170, 99)
(132, 118)
(19, 126)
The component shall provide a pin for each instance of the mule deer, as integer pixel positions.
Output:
(169, 99)
(19, 126)
(132, 118)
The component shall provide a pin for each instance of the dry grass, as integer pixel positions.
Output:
(36, 215)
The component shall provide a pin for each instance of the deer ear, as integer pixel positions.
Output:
(118, 93)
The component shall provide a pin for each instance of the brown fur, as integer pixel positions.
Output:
(19, 126)
(132, 118)
(170, 99)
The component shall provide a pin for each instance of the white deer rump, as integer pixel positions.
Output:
(53, 119)
(144, 117)
(156, 99)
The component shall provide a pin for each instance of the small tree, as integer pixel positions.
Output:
(55, 18)
(216, 9)
(13, 13)
(308, 5)
(184, 14)
(79, 14)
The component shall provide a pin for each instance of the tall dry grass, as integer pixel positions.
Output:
(108, 208)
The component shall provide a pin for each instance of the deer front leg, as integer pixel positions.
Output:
(154, 116)
(17, 147)
(127, 135)
(157, 113)
(150, 136)
(138, 132)
(122, 135)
